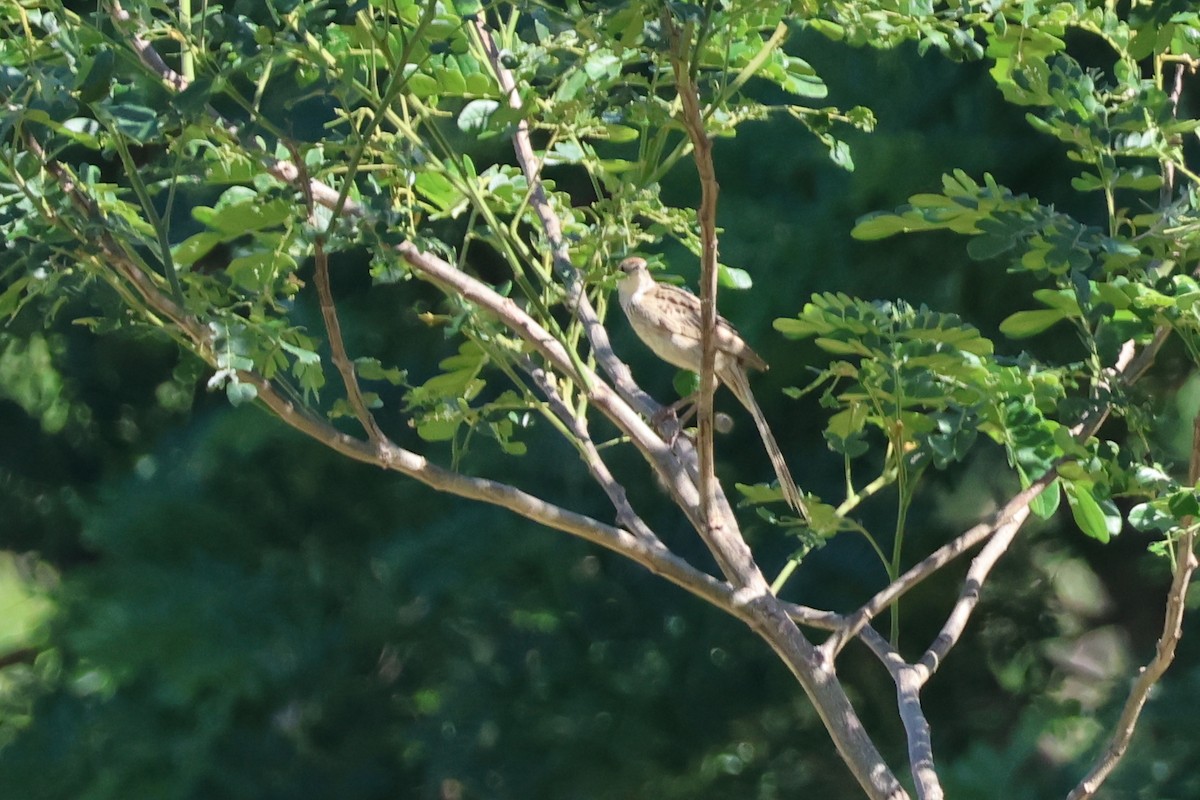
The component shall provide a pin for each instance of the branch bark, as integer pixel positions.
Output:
(706, 214)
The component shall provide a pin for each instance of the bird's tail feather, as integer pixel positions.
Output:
(740, 386)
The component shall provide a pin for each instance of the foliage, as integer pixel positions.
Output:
(223, 199)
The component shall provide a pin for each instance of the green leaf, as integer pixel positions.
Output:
(476, 115)
(195, 247)
(620, 133)
(370, 369)
(136, 122)
(239, 392)
(95, 81)
(733, 278)
(801, 79)
(422, 85)
(443, 196)
(686, 382)
(10, 299)
(1045, 505)
(570, 88)
(1091, 517)
(438, 430)
(1024, 324)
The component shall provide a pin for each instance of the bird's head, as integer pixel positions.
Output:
(632, 265)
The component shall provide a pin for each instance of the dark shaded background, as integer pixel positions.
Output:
(239, 613)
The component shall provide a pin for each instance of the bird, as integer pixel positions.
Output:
(667, 319)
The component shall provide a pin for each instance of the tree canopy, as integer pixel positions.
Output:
(286, 283)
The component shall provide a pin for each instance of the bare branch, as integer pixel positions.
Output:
(770, 619)
(1149, 675)
(1164, 651)
(909, 680)
(968, 597)
(693, 123)
(1017, 506)
(337, 346)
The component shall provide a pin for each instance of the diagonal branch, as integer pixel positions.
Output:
(939, 558)
(1168, 640)
(1149, 675)
(577, 425)
(333, 327)
(337, 345)
(577, 299)
(161, 309)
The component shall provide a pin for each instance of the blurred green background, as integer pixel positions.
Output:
(196, 602)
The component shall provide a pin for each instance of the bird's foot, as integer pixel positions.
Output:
(668, 417)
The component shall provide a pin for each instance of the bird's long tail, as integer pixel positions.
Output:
(740, 386)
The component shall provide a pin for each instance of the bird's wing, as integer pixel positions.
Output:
(681, 316)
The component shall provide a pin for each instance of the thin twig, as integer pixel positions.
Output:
(968, 598)
(333, 327)
(337, 345)
(1149, 675)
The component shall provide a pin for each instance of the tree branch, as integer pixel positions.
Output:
(333, 327)
(1164, 651)
(1149, 675)
(693, 123)
(577, 425)
(577, 299)
(948, 552)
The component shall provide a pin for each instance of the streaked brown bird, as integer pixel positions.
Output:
(667, 319)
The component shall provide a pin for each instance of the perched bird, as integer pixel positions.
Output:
(667, 319)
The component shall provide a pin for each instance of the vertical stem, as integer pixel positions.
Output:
(693, 121)
(187, 59)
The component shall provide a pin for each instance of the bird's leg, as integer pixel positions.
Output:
(672, 412)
